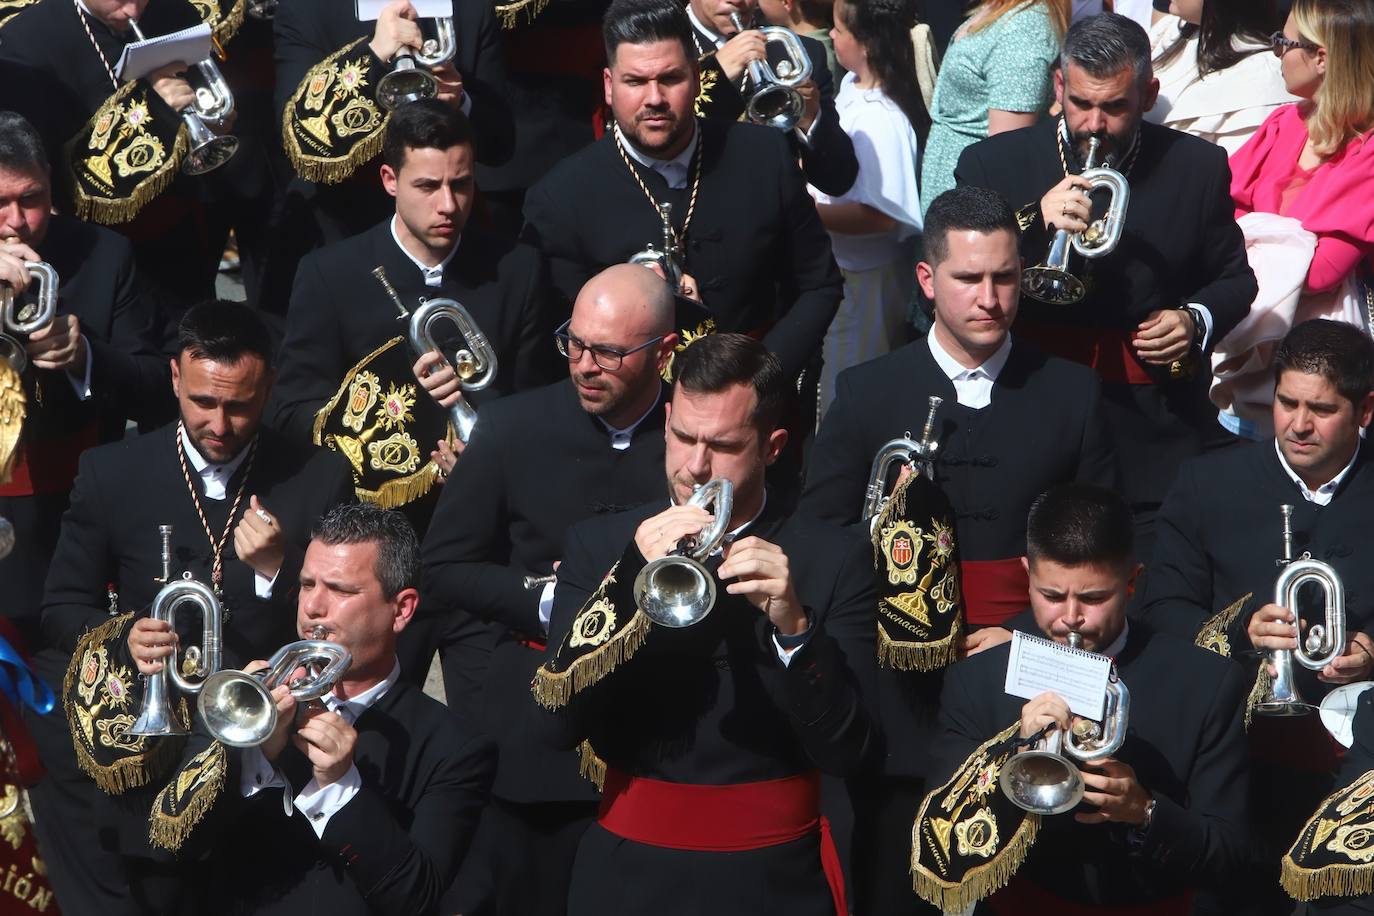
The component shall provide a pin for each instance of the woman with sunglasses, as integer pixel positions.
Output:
(1215, 79)
(1304, 193)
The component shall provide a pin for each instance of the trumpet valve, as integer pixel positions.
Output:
(190, 662)
(465, 364)
(1316, 638)
(429, 48)
(784, 69)
(1095, 232)
(1086, 730)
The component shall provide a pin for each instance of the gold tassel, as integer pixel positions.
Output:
(12, 411)
(986, 880)
(553, 690)
(905, 656)
(402, 490)
(1257, 692)
(520, 12)
(591, 767)
(1334, 880)
(170, 831)
(1212, 635)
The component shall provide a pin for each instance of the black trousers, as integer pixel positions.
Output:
(880, 863)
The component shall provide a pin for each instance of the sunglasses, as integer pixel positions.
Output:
(1280, 44)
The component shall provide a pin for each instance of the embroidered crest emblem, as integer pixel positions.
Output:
(901, 545)
(594, 625)
(977, 836)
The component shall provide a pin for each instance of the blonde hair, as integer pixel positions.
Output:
(989, 11)
(1343, 106)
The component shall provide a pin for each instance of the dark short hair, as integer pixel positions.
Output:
(398, 549)
(1105, 44)
(1340, 353)
(426, 124)
(1078, 524)
(640, 22)
(715, 362)
(223, 332)
(964, 209)
(21, 149)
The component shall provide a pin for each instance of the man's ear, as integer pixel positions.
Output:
(777, 441)
(389, 179)
(403, 608)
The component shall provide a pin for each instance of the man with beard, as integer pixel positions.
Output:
(710, 736)
(1176, 283)
(743, 223)
(240, 500)
(499, 531)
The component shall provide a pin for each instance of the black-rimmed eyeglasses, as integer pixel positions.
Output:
(606, 357)
(1281, 44)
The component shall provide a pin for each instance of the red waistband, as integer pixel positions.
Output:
(537, 645)
(571, 51)
(1298, 743)
(1023, 898)
(46, 466)
(751, 815)
(994, 590)
(1109, 352)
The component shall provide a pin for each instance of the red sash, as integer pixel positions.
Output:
(1109, 352)
(1022, 898)
(751, 815)
(994, 590)
(49, 465)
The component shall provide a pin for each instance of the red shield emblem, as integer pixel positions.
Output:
(902, 551)
(90, 670)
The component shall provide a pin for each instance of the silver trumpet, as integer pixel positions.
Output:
(903, 450)
(24, 320)
(1045, 779)
(677, 590)
(408, 81)
(237, 707)
(667, 258)
(1051, 281)
(155, 717)
(214, 104)
(775, 100)
(1325, 641)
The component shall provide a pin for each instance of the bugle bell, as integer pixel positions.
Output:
(666, 258)
(155, 716)
(1045, 779)
(902, 450)
(214, 103)
(775, 100)
(677, 590)
(409, 79)
(1325, 641)
(1051, 280)
(17, 319)
(237, 707)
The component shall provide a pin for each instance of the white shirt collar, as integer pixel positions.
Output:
(674, 170)
(1323, 494)
(1119, 643)
(990, 367)
(215, 477)
(704, 29)
(354, 707)
(434, 276)
(620, 438)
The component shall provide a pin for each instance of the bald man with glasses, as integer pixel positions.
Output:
(538, 462)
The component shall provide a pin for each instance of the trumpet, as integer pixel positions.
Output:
(1051, 281)
(677, 590)
(16, 320)
(775, 100)
(237, 707)
(1045, 779)
(1325, 641)
(155, 716)
(214, 104)
(407, 82)
(668, 257)
(902, 450)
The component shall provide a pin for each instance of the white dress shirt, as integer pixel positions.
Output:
(434, 276)
(1323, 495)
(318, 803)
(972, 387)
(215, 478)
(675, 171)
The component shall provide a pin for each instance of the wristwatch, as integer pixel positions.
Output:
(1149, 817)
(1199, 326)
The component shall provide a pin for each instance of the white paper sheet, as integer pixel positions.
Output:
(1080, 677)
(140, 58)
(371, 10)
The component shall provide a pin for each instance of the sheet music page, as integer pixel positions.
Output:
(140, 58)
(371, 10)
(1037, 665)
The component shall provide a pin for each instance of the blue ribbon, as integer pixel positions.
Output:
(20, 684)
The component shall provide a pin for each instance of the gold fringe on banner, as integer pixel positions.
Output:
(401, 491)
(1213, 635)
(520, 12)
(905, 656)
(183, 802)
(1331, 856)
(1259, 691)
(321, 146)
(591, 767)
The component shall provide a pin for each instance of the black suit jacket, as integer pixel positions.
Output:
(827, 157)
(309, 31)
(339, 314)
(1180, 244)
(714, 705)
(1220, 532)
(1185, 742)
(756, 246)
(393, 849)
(502, 516)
